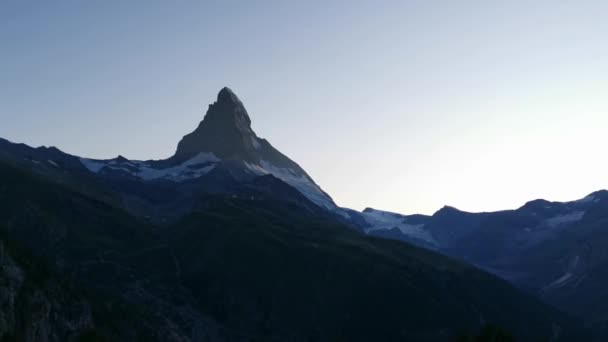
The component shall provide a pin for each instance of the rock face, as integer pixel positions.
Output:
(225, 131)
(36, 307)
(222, 142)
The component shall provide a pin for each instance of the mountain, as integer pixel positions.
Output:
(398, 227)
(554, 250)
(263, 263)
(223, 140)
(219, 155)
(230, 240)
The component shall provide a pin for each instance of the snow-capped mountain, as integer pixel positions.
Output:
(397, 226)
(450, 228)
(224, 138)
(197, 166)
(553, 249)
(243, 261)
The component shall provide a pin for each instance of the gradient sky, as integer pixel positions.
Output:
(398, 105)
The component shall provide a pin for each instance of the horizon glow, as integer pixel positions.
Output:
(404, 106)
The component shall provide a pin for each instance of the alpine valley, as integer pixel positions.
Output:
(230, 240)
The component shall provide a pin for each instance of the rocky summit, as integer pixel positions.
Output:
(225, 131)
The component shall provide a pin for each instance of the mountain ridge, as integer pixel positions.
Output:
(255, 265)
(224, 160)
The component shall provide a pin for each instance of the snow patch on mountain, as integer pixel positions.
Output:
(563, 219)
(299, 181)
(561, 280)
(93, 165)
(203, 163)
(194, 167)
(384, 220)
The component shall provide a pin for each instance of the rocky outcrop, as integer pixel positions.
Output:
(37, 307)
(225, 131)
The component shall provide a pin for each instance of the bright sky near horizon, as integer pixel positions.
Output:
(398, 105)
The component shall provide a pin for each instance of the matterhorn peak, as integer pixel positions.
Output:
(225, 131)
(228, 112)
(226, 95)
(225, 134)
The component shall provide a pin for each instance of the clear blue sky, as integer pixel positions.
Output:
(399, 105)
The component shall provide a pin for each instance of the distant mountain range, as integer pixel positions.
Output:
(230, 240)
(555, 250)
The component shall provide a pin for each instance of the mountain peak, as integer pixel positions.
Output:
(447, 210)
(226, 95)
(226, 133)
(228, 110)
(225, 130)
